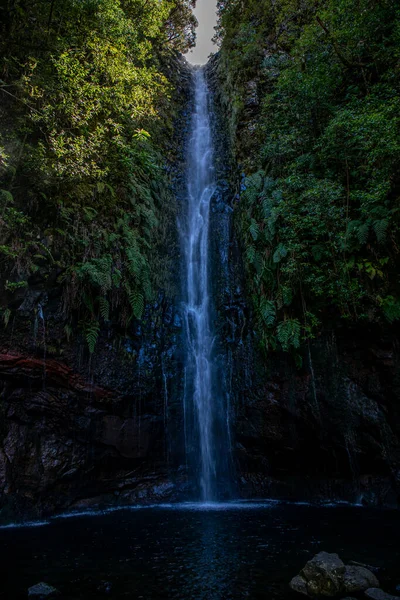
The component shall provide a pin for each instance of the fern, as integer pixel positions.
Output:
(380, 229)
(285, 296)
(288, 333)
(136, 300)
(362, 233)
(6, 317)
(104, 307)
(91, 334)
(116, 277)
(253, 187)
(89, 213)
(98, 272)
(267, 312)
(147, 288)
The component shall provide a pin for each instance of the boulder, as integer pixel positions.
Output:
(42, 590)
(298, 584)
(378, 594)
(359, 579)
(355, 563)
(322, 576)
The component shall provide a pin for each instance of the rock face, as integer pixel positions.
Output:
(326, 575)
(66, 442)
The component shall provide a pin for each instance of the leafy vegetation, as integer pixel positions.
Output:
(312, 92)
(87, 124)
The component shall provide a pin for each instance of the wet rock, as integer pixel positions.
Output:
(322, 576)
(369, 567)
(30, 301)
(378, 594)
(42, 590)
(252, 98)
(359, 579)
(298, 584)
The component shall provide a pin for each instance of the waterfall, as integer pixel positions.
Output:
(205, 418)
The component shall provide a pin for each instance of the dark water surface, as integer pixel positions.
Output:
(191, 551)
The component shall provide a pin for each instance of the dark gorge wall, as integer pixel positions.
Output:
(79, 432)
(328, 429)
(80, 429)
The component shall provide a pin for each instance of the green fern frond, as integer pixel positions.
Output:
(288, 333)
(253, 187)
(362, 233)
(91, 334)
(267, 312)
(6, 317)
(380, 229)
(104, 308)
(136, 300)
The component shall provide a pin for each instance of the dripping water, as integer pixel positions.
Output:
(40, 316)
(165, 390)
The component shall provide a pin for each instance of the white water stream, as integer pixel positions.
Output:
(199, 400)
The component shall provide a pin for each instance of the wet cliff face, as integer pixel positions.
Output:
(77, 429)
(329, 429)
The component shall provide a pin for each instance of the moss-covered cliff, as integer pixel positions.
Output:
(308, 92)
(311, 93)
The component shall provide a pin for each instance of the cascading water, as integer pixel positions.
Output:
(205, 413)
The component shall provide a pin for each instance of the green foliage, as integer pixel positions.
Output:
(288, 333)
(85, 190)
(92, 330)
(6, 317)
(391, 308)
(321, 154)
